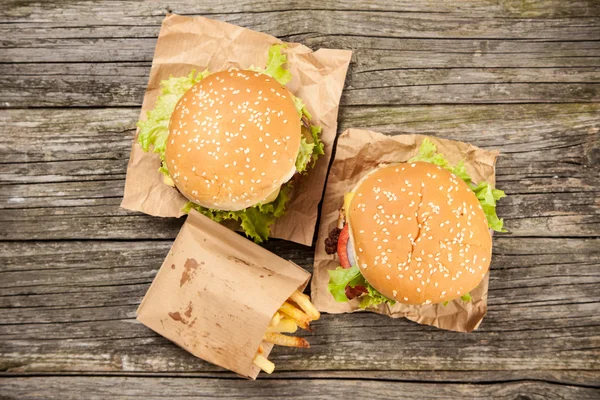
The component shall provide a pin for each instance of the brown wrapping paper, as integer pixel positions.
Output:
(186, 43)
(358, 152)
(216, 292)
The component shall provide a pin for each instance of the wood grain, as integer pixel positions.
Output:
(522, 77)
(471, 60)
(102, 13)
(542, 314)
(63, 164)
(385, 71)
(155, 388)
(35, 32)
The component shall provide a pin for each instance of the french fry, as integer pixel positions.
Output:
(284, 340)
(264, 364)
(286, 325)
(276, 318)
(306, 305)
(287, 319)
(300, 317)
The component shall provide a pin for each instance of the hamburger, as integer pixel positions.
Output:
(415, 233)
(233, 142)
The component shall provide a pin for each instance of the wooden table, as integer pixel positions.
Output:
(518, 76)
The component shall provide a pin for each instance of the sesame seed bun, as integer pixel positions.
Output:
(419, 233)
(233, 140)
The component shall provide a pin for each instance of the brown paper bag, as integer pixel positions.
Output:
(216, 292)
(358, 152)
(186, 43)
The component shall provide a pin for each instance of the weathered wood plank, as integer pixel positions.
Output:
(134, 41)
(66, 167)
(525, 215)
(66, 135)
(366, 343)
(536, 133)
(123, 12)
(388, 52)
(399, 87)
(379, 62)
(112, 342)
(474, 94)
(154, 388)
(543, 299)
(99, 84)
(384, 71)
(382, 22)
(567, 377)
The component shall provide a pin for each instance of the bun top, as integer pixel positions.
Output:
(233, 140)
(419, 233)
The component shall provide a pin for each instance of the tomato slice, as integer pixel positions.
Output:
(356, 291)
(342, 251)
(342, 247)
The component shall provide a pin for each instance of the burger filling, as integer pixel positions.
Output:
(256, 220)
(346, 282)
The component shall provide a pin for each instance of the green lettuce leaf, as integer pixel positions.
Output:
(340, 278)
(301, 107)
(373, 298)
(461, 171)
(163, 168)
(255, 221)
(310, 152)
(487, 198)
(304, 155)
(275, 63)
(316, 148)
(319, 147)
(465, 297)
(428, 153)
(485, 193)
(154, 130)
